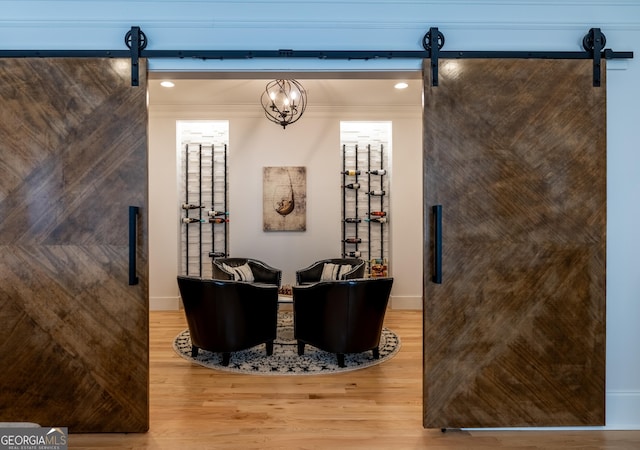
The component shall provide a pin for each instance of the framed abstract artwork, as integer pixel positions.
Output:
(284, 198)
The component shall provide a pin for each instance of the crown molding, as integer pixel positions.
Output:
(226, 112)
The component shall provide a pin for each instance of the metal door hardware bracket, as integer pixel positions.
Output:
(433, 41)
(593, 43)
(136, 41)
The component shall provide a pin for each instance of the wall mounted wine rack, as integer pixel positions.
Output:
(205, 214)
(365, 205)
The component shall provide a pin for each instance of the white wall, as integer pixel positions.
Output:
(393, 25)
(312, 142)
(256, 143)
(163, 217)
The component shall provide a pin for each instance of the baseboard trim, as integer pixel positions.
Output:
(164, 303)
(406, 302)
(623, 410)
(622, 414)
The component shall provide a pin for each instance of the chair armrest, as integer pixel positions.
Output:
(259, 289)
(313, 295)
(356, 272)
(310, 274)
(218, 273)
(263, 273)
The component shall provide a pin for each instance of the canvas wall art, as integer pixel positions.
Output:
(284, 198)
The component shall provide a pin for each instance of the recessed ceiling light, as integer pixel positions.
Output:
(167, 84)
(401, 85)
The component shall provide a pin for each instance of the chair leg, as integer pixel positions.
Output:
(340, 359)
(226, 357)
(300, 348)
(269, 345)
(194, 351)
(376, 353)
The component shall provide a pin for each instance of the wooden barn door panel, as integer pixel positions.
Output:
(515, 152)
(73, 158)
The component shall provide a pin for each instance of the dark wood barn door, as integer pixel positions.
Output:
(73, 158)
(515, 154)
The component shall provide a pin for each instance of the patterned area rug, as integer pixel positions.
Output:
(285, 359)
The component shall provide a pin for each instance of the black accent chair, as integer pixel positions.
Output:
(341, 316)
(262, 272)
(313, 273)
(228, 316)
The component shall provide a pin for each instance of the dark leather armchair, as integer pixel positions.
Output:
(313, 273)
(227, 316)
(341, 316)
(262, 272)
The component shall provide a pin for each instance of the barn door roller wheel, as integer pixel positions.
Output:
(142, 38)
(432, 42)
(136, 41)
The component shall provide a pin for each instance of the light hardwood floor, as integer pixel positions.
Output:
(376, 408)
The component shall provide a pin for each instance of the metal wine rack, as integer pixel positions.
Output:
(205, 217)
(365, 205)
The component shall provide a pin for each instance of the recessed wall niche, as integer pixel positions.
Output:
(366, 168)
(203, 194)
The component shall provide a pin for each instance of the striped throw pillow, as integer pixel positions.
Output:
(240, 273)
(332, 271)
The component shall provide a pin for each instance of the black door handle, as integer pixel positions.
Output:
(133, 233)
(437, 244)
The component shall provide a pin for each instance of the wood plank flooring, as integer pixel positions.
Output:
(376, 408)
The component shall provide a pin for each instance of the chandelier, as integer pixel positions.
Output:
(284, 101)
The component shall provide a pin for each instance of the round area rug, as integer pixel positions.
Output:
(285, 359)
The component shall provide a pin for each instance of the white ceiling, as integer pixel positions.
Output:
(323, 91)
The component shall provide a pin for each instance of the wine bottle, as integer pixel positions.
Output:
(378, 213)
(217, 254)
(377, 219)
(350, 172)
(217, 220)
(191, 206)
(191, 220)
(377, 172)
(353, 240)
(376, 193)
(213, 213)
(352, 186)
(352, 220)
(354, 254)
